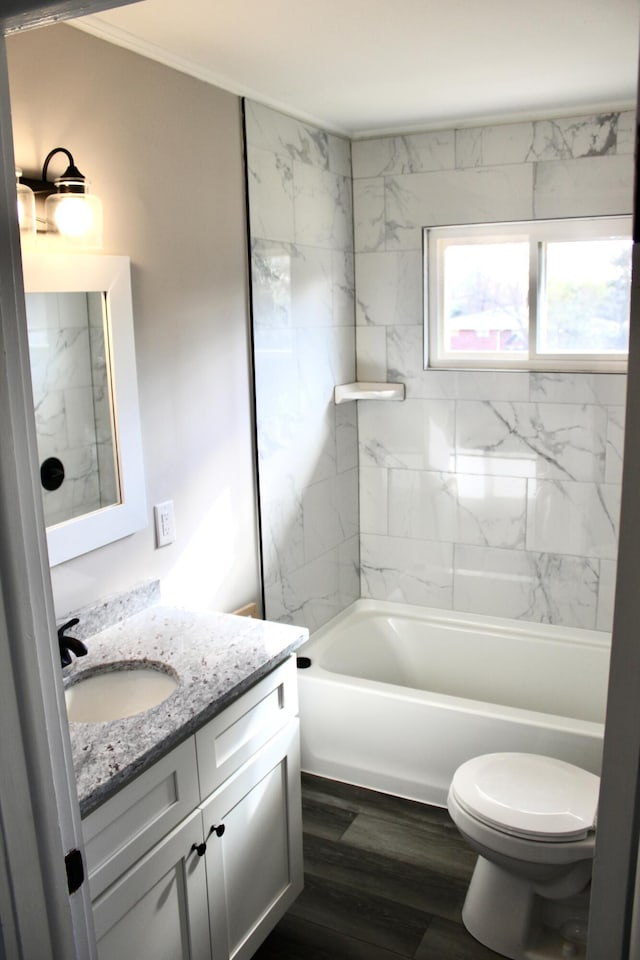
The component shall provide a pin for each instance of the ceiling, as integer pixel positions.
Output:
(368, 67)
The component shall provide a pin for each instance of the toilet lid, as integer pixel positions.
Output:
(528, 796)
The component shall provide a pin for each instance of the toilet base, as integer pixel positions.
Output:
(504, 913)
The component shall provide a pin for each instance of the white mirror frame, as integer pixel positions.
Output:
(70, 273)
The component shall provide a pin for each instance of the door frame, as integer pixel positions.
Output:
(39, 811)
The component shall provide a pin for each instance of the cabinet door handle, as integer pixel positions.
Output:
(218, 830)
(200, 848)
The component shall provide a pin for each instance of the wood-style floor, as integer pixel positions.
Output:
(384, 879)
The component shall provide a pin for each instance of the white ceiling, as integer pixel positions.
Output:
(365, 67)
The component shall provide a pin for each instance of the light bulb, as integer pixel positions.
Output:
(76, 218)
(73, 216)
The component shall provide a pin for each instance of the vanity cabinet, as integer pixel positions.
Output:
(201, 855)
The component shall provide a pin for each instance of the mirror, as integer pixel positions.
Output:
(83, 370)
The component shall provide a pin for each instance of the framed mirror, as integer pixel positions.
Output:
(83, 370)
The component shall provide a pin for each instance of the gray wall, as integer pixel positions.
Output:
(164, 152)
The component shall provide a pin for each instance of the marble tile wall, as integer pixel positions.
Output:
(495, 493)
(302, 275)
(71, 399)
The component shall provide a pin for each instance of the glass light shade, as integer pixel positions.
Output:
(75, 216)
(26, 208)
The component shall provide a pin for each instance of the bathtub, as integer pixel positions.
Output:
(396, 697)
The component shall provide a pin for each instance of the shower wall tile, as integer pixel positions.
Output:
(271, 184)
(309, 595)
(416, 434)
(374, 486)
(285, 137)
(371, 354)
(573, 518)
(560, 139)
(488, 511)
(601, 388)
(494, 145)
(369, 215)
(343, 287)
(389, 288)
(543, 587)
(517, 472)
(302, 274)
(423, 505)
(346, 438)
(570, 138)
(415, 153)
(323, 214)
(330, 513)
(348, 572)
(564, 441)
(408, 571)
(271, 284)
(339, 152)
(454, 196)
(615, 444)
(566, 188)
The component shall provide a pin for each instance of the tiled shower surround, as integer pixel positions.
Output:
(488, 492)
(301, 224)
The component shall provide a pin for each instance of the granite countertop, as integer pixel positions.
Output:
(214, 656)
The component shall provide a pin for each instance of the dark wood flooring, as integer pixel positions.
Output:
(384, 879)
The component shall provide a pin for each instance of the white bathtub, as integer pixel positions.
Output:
(397, 696)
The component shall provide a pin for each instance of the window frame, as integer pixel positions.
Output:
(538, 232)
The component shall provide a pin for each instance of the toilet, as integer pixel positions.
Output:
(531, 819)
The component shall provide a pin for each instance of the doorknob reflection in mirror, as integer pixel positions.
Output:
(71, 212)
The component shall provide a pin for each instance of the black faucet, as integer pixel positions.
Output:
(67, 644)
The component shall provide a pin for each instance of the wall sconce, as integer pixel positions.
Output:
(70, 211)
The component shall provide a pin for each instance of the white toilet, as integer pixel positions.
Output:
(532, 821)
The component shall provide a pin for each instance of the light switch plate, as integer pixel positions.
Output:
(165, 523)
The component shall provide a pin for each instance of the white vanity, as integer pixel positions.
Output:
(194, 850)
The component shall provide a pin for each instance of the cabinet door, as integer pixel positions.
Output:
(254, 868)
(158, 909)
(132, 822)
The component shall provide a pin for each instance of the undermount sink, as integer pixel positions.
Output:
(117, 691)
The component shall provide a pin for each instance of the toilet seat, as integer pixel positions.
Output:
(528, 796)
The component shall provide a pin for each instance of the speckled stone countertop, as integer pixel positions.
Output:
(215, 657)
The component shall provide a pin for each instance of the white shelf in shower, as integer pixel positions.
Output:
(368, 391)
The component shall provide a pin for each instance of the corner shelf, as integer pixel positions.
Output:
(368, 391)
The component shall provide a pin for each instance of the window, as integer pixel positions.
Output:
(534, 295)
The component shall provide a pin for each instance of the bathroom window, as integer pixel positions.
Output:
(532, 295)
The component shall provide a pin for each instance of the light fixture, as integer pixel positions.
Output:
(26, 209)
(71, 212)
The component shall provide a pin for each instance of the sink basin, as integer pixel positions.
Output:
(112, 693)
